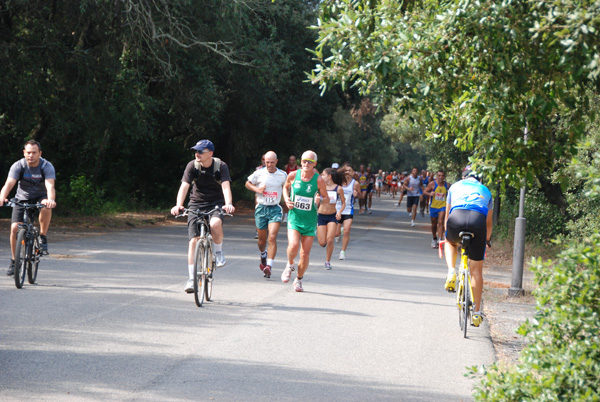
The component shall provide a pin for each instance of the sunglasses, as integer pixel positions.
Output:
(308, 161)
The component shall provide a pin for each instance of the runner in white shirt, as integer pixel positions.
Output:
(267, 183)
(351, 189)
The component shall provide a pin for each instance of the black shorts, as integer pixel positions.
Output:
(462, 220)
(17, 212)
(346, 217)
(193, 230)
(369, 188)
(323, 219)
(412, 200)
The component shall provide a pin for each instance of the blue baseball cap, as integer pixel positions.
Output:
(202, 145)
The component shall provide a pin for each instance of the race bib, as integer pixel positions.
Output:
(303, 203)
(440, 196)
(270, 197)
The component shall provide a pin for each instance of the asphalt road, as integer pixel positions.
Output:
(108, 320)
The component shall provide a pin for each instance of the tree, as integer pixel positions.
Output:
(475, 73)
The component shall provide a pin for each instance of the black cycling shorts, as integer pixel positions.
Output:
(18, 211)
(463, 220)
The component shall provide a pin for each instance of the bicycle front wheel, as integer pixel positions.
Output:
(32, 268)
(20, 258)
(198, 274)
(209, 268)
(466, 305)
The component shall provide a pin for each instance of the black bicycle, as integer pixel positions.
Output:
(27, 250)
(204, 257)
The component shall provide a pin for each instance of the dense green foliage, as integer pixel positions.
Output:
(117, 92)
(476, 73)
(562, 359)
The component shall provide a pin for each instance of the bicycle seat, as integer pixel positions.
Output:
(461, 234)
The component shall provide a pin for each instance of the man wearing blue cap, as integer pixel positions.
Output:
(210, 181)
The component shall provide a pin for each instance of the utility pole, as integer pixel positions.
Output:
(516, 283)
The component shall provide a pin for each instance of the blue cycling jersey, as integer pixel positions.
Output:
(471, 195)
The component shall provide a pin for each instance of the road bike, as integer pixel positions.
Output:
(27, 250)
(204, 256)
(464, 289)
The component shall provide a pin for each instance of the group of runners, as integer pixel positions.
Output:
(320, 204)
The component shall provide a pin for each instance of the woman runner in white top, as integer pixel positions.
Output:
(329, 215)
(351, 189)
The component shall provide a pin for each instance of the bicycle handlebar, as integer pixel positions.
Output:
(198, 213)
(14, 202)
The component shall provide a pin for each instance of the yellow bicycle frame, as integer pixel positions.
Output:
(463, 268)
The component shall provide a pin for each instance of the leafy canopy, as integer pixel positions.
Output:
(473, 72)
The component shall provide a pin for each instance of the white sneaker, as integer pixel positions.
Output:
(412, 224)
(342, 255)
(287, 273)
(327, 265)
(220, 259)
(189, 286)
(434, 243)
(337, 239)
(298, 285)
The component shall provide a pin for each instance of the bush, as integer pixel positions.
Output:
(84, 198)
(544, 220)
(562, 359)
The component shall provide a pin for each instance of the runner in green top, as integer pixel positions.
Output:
(299, 193)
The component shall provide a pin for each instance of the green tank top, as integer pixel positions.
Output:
(304, 213)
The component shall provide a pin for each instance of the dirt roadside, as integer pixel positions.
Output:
(504, 314)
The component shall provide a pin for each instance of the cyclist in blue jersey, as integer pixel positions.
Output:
(469, 205)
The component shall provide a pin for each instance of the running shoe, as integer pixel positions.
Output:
(267, 271)
(337, 239)
(369, 211)
(342, 255)
(298, 285)
(189, 286)
(287, 273)
(434, 243)
(11, 268)
(327, 265)
(412, 224)
(263, 262)
(43, 244)
(220, 259)
(477, 319)
(256, 235)
(450, 285)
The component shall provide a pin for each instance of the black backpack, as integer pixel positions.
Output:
(216, 169)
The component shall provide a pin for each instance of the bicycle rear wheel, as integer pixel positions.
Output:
(20, 258)
(460, 299)
(466, 305)
(209, 268)
(32, 268)
(198, 274)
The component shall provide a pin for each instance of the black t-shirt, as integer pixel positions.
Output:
(205, 191)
